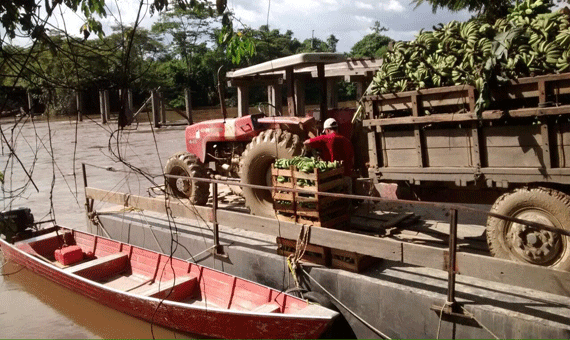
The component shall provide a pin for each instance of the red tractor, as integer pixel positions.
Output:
(240, 147)
(243, 147)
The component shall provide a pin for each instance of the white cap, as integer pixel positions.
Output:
(330, 123)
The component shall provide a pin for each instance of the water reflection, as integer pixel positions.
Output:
(34, 307)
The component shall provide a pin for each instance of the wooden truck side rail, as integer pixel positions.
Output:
(436, 135)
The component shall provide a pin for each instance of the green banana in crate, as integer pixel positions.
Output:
(305, 164)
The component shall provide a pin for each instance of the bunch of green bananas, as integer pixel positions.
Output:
(531, 40)
(305, 164)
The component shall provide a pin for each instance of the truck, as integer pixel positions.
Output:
(514, 155)
(431, 144)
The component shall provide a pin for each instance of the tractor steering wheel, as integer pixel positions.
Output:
(261, 110)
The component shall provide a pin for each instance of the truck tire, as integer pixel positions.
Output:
(186, 164)
(524, 244)
(255, 166)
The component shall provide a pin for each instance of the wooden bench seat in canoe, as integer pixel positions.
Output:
(176, 289)
(101, 268)
(270, 307)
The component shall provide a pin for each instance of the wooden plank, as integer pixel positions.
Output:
(434, 118)
(422, 92)
(374, 144)
(545, 111)
(324, 237)
(174, 290)
(447, 138)
(396, 140)
(545, 145)
(417, 133)
(483, 267)
(549, 77)
(445, 157)
(523, 157)
(102, 267)
(402, 158)
(521, 136)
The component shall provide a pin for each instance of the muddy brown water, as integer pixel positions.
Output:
(30, 305)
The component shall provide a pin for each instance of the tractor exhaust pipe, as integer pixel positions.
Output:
(221, 94)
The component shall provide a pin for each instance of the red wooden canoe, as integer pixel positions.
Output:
(171, 292)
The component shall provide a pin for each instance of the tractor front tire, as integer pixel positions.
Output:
(186, 164)
(255, 166)
(521, 243)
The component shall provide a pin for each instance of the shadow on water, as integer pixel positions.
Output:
(34, 307)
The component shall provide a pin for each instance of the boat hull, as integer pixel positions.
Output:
(202, 320)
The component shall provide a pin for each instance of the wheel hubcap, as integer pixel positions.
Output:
(182, 185)
(534, 245)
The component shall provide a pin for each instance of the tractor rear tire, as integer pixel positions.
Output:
(518, 242)
(186, 164)
(255, 166)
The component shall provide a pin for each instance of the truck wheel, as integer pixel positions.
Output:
(186, 164)
(521, 243)
(255, 166)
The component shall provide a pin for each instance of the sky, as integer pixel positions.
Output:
(348, 21)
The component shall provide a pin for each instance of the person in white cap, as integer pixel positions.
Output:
(334, 147)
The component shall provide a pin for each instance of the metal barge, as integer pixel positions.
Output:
(411, 293)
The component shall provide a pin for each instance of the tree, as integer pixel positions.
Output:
(271, 44)
(188, 29)
(331, 43)
(373, 44)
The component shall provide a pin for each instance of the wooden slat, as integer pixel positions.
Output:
(435, 118)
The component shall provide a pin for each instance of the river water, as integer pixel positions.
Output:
(34, 307)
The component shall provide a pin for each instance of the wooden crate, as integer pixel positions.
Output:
(313, 254)
(308, 208)
(351, 261)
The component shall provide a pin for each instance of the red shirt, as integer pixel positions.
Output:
(334, 147)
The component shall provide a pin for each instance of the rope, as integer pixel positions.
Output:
(200, 253)
(94, 218)
(479, 322)
(447, 303)
(372, 328)
(300, 248)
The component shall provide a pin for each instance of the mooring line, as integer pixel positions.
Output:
(372, 328)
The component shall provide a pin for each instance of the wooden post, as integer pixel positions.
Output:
(188, 100)
(291, 109)
(359, 90)
(300, 96)
(155, 108)
(162, 108)
(30, 103)
(107, 105)
(79, 105)
(274, 98)
(243, 100)
(102, 107)
(323, 83)
(332, 93)
(418, 132)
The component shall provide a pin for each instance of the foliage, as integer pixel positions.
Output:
(23, 14)
(317, 45)
(489, 10)
(373, 45)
